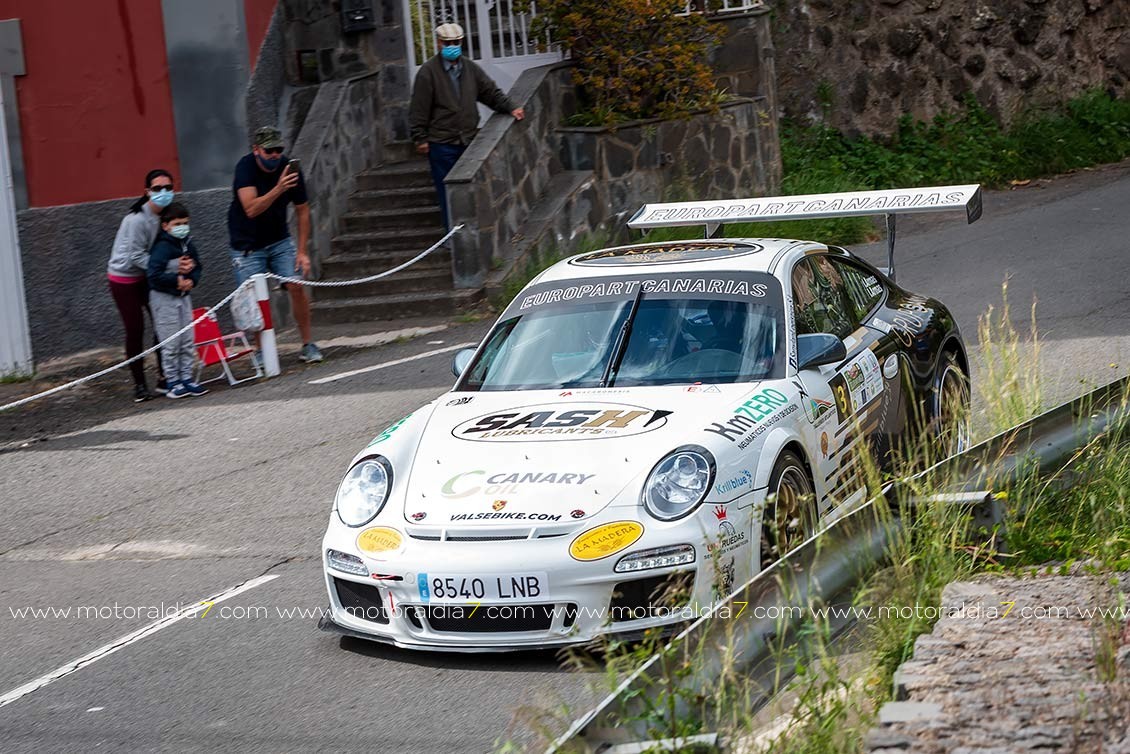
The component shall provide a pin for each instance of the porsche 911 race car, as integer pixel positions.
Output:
(644, 428)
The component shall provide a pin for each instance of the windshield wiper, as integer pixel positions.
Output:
(621, 344)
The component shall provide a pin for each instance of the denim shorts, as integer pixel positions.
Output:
(278, 258)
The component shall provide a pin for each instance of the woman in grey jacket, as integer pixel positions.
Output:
(126, 271)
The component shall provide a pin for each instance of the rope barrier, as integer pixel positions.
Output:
(371, 278)
(223, 302)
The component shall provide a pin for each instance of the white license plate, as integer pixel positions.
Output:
(464, 589)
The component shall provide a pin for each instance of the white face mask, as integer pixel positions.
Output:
(179, 231)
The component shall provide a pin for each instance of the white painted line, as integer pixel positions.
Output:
(375, 367)
(130, 638)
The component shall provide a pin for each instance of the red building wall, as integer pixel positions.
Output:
(95, 106)
(257, 15)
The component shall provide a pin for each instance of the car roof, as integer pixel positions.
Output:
(698, 255)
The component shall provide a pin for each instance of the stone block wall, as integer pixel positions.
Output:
(505, 171)
(708, 156)
(860, 64)
(338, 140)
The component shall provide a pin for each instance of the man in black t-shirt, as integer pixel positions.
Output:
(265, 183)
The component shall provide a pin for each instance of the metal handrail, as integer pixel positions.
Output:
(833, 563)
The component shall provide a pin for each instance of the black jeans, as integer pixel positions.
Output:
(442, 158)
(132, 300)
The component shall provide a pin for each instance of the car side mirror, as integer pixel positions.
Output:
(818, 349)
(461, 361)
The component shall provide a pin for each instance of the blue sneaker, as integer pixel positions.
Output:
(310, 353)
(191, 388)
(177, 390)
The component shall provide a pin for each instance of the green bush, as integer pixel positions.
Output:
(635, 58)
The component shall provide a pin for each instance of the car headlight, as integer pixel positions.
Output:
(678, 483)
(363, 492)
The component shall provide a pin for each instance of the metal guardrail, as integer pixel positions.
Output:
(825, 569)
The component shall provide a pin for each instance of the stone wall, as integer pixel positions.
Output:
(339, 139)
(861, 64)
(708, 156)
(505, 171)
(1013, 665)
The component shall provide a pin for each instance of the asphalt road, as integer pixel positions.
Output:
(171, 503)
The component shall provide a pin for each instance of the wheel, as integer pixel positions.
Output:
(950, 422)
(790, 513)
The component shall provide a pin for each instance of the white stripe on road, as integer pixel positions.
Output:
(130, 638)
(375, 367)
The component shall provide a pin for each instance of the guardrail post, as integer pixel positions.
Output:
(268, 347)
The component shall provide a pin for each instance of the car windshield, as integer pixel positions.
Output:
(721, 328)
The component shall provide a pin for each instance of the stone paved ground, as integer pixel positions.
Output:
(986, 682)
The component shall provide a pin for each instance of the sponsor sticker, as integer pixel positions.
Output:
(680, 252)
(388, 432)
(739, 482)
(461, 401)
(500, 515)
(549, 423)
(467, 483)
(753, 417)
(605, 540)
(379, 539)
(818, 410)
(729, 538)
(859, 383)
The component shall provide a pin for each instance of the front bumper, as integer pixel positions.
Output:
(582, 601)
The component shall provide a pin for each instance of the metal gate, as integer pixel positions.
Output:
(497, 36)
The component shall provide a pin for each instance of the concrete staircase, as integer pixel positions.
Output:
(392, 217)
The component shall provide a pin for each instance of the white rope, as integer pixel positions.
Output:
(225, 300)
(142, 355)
(371, 278)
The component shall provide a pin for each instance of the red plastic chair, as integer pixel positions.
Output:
(212, 349)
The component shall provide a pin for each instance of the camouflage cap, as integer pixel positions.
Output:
(268, 137)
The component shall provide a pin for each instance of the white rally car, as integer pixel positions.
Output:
(644, 428)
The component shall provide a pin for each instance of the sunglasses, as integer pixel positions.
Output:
(456, 43)
(274, 150)
(161, 187)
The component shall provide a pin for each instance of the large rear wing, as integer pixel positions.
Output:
(714, 214)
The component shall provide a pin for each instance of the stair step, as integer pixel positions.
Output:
(343, 266)
(411, 280)
(395, 306)
(373, 201)
(410, 239)
(396, 175)
(402, 218)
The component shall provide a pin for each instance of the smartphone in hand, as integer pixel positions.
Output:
(294, 166)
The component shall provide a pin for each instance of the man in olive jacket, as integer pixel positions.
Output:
(443, 116)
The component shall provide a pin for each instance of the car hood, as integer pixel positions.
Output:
(550, 457)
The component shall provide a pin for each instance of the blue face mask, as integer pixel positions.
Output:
(162, 198)
(270, 163)
(179, 232)
(452, 53)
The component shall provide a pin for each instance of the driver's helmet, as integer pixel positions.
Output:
(729, 319)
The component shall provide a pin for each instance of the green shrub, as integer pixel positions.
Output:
(635, 58)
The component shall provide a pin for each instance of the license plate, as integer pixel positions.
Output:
(463, 589)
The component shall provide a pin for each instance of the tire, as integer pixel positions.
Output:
(950, 422)
(790, 512)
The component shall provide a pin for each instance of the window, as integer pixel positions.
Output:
(863, 289)
(820, 301)
(557, 342)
